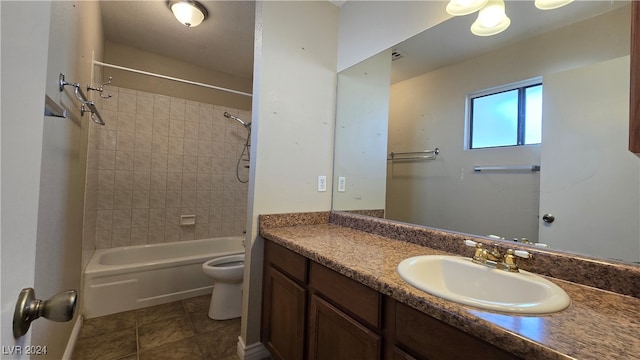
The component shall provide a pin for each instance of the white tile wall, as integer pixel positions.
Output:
(157, 158)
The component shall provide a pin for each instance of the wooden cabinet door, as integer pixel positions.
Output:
(333, 335)
(428, 338)
(283, 316)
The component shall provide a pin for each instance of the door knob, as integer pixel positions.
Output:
(59, 307)
(548, 218)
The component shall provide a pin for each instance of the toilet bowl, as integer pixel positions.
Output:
(226, 299)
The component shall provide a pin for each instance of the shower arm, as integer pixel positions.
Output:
(244, 123)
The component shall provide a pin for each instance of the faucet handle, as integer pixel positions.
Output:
(470, 243)
(510, 264)
(523, 254)
(480, 255)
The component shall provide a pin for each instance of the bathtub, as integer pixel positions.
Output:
(132, 277)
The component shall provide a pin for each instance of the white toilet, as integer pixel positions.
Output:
(226, 299)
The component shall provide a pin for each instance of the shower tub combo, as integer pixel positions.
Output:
(132, 277)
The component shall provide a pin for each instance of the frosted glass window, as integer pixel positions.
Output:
(509, 117)
(495, 120)
(533, 115)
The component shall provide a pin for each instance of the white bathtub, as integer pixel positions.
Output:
(132, 277)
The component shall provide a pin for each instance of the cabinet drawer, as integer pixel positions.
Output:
(428, 338)
(351, 296)
(285, 260)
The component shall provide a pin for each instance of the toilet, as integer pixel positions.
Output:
(226, 299)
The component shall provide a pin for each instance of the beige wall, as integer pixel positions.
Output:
(126, 56)
(429, 111)
(293, 117)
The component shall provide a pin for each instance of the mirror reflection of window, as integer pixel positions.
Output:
(510, 115)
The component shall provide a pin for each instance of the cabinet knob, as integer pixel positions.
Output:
(548, 218)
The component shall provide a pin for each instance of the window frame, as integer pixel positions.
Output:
(521, 86)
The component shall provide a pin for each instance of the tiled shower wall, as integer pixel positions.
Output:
(158, 158)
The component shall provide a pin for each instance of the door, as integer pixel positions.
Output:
(334, 335)
(25, 43)
(589, 181)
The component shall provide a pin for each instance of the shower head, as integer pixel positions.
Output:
(245, 124)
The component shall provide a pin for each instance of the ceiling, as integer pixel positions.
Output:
(452, 41)
(223, 42)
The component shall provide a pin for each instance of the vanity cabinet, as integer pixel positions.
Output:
(312, 312)
(420, 336)
(284, 302)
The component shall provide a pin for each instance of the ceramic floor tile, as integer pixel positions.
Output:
(106, 324)
(108, 346)
(160, 312)
(178, 330)
(197, 303)
(202, 323)
(219, 345)
(164, 331)
(185, 349)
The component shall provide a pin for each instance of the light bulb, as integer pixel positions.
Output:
(492, 19)
(551, 4)
(464, 7)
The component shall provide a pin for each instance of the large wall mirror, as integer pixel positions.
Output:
(588, 181)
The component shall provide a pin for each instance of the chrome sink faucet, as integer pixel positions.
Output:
(494, 258)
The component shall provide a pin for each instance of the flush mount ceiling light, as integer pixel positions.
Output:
(492, 19)
(551, 4)
(188, 13)
(464, 7)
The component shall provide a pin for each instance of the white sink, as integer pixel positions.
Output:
(458, 279)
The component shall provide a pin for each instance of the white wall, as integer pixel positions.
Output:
(362, 122)
(428, 111)
(293, 124)
(369, 27)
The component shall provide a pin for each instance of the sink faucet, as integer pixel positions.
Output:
(495, 259)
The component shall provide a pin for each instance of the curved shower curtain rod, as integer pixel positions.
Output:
(96, 62)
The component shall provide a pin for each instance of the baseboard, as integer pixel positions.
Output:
(73, 338)
(255, 351)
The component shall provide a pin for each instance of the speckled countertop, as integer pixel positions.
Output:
(598, 324)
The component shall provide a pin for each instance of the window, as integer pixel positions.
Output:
(510, 115)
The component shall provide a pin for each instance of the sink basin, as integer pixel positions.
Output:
(459, 279)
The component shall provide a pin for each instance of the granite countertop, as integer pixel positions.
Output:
(597, 325)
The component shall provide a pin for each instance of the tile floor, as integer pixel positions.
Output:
(177, 330)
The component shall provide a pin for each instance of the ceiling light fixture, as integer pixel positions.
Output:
(189, 13)
(464, 7)
(492, 19)
(551, 4)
